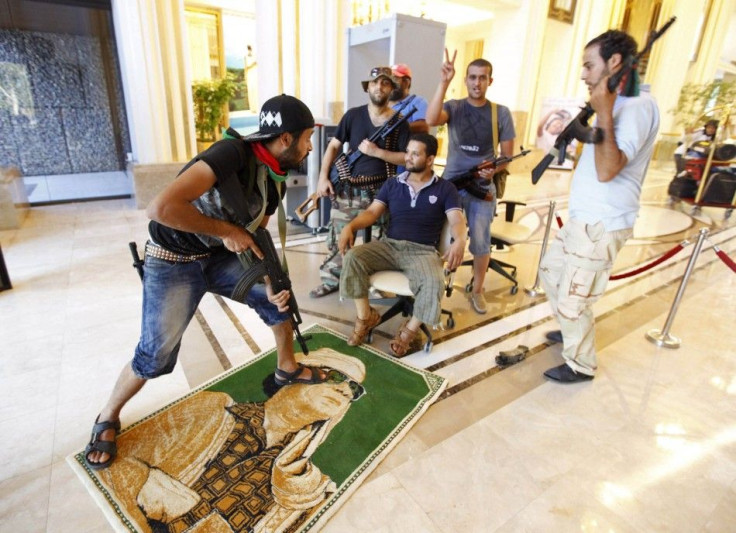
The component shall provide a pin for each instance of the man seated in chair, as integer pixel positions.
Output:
(418, 202)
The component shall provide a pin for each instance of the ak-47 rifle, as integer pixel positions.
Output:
(342, 166)
(268, 266)
(469, 180)
(579, 128)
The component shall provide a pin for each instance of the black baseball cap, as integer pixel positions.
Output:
(281, 114)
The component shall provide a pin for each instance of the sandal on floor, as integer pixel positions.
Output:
(510, 357)
(323, 290)
(104, 446)
(400, 343)
(363, 327)
(283, 378)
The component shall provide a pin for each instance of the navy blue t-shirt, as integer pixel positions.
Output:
(419, 220)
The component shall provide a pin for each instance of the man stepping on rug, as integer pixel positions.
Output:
(418, 202)
(198, 227)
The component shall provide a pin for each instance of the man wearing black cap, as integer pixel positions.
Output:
(197, 229)
(369, 172)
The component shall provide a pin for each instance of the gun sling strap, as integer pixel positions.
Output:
(499, 177)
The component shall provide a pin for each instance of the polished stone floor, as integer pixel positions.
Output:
(649, 445)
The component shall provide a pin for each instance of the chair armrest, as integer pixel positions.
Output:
(510, 208)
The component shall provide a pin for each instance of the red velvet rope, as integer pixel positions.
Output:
(654, 263)
(726, 260)
(650, 265)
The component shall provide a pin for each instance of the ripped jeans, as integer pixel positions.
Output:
(574, 272)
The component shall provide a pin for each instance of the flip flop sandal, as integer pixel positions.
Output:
(322, 290)
(283, 378)
(363, 327)
(511, 357)
(400, 343)
(104, 446)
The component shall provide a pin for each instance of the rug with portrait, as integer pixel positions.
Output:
(237, 455)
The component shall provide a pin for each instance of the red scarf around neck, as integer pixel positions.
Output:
(265, 157)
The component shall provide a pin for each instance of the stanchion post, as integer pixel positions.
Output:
(662, 337)
(536, 289)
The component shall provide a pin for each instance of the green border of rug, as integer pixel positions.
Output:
(393, 403)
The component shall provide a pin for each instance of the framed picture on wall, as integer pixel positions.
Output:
(562, 10)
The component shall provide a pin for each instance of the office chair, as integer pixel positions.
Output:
(504, 233)
(395, 282)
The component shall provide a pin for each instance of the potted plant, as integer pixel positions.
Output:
(210, 98)
(697, 100)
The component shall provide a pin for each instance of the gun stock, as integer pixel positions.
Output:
(307, 207)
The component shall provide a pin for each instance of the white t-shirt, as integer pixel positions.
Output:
(616, 202)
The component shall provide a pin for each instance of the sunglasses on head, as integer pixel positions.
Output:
(381, 71)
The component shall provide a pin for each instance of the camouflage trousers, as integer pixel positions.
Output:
(344, 209)
(574, 272)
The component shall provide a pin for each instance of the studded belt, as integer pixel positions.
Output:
(154, 250)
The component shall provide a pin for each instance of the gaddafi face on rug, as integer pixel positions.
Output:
(296, 406)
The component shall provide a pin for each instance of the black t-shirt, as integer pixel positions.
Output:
(235, 167)
(355, 126)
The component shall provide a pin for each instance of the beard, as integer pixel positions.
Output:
(379, 100)
(396, 95)
(291, 159)
(418, 167)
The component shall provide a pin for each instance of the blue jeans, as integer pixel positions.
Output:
(479, 214)
(171, 294)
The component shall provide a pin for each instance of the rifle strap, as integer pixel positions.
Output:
(261, 177)
(494, 127)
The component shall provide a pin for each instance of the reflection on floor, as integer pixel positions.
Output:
(649, 445)
(43, 190)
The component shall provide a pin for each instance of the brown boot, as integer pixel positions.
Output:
(400, 343)
(363, 326)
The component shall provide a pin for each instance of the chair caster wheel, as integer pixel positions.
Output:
(428, 346)
(514, 289)
(448, 292)
(369, 337)
(450, 322)
(469, 287)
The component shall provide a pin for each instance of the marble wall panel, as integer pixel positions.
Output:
(41, 142)
(11, 42)
(59, 117)
(55, 70)
(91, 70)
(8, 147)
(92, 146)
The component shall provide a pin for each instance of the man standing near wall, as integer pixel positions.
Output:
(370, 171)
(470, 125)
(604, 202)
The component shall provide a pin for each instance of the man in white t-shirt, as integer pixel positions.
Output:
(604, 203)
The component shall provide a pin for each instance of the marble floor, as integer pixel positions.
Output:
(44, 190)
(649, 445)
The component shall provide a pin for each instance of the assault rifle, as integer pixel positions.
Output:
(343, 165)
(468, 180)
(257, 269)
(579, 128)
